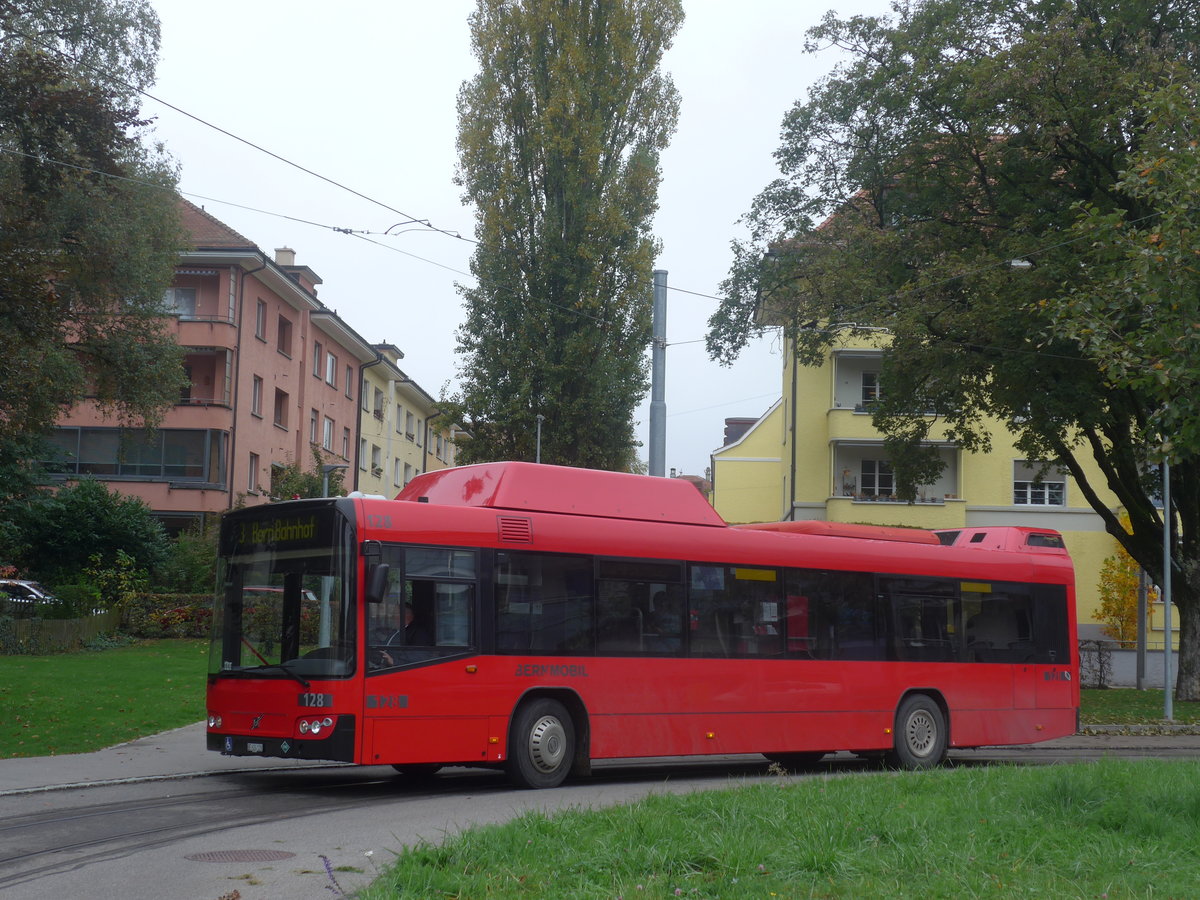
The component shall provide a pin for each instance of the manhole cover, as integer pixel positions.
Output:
(243, 856)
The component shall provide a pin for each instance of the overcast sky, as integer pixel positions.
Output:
(362, 93)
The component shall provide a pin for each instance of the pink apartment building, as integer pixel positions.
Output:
(272, 370)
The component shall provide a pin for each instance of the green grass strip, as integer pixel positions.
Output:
(78, 702)
(1095, 830)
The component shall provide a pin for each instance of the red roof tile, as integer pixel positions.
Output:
(209, 232)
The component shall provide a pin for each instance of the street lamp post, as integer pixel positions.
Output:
(538, 452)
(325, 470)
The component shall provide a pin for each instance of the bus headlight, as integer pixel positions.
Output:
(315, 726)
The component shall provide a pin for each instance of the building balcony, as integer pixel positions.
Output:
(848, 424)
(206, 331)
(943, 513)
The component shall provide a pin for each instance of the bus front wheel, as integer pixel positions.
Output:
(542, 745)
(919, 740)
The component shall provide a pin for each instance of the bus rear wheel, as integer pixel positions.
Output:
(919, 739)
(542, 744)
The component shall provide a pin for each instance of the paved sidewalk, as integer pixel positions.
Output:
(173, 754)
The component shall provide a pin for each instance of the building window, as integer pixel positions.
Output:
(364, 395)
(399, 419)
(398, 474)
(256, 396)
(410, 428)
(409, 473)
(441, 447)
(252, 475)
(350, 382)
(345, 443)
(281, 408)
(318, 358)
(378, 404)
(1050, 489)
(331, 369)
(327, 435)
(870, 388)
(260, 321)
(313, 418)
(194, 455)
(180, 302)
(376, 461)
(877, 479)
(284, 339)
(362, 454)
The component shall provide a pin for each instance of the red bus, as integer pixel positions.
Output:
(560, 616)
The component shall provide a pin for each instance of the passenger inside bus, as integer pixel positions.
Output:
(416, 632)
(411, 631)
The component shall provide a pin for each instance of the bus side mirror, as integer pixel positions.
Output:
(377, 581)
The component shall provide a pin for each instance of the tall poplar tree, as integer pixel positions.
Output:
(559, 141)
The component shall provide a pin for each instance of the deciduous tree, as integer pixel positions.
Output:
(559, 142)
(957, 137)
(88, 229)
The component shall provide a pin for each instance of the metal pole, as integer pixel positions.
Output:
(1168, 707)
(1141, 631)
(538, 456)
(658, 374)
(1168, 701)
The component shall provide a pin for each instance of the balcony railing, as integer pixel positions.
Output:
(892, 498)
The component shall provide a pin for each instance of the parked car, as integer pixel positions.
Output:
(22, 599)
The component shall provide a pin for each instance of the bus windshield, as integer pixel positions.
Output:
(284, 604)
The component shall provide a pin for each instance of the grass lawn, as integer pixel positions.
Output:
(1107, 829)
(76, 702)
(1125, 706)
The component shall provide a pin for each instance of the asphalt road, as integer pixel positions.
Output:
(270, 835)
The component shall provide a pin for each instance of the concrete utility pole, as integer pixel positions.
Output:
(658, 377)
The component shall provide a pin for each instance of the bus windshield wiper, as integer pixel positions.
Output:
(290, 673)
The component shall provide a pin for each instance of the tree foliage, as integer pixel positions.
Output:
(89, 233)
(961, 135)
(293, 481)
(559, 142)
(61, 532)
(1119, 586)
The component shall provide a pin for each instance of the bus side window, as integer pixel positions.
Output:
(620, 619)
(543, 603)
(923, 617)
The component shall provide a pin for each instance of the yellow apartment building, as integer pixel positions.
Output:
(816, 455)
(397, 437)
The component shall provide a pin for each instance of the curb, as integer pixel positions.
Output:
(140, 779)
(1164, 728)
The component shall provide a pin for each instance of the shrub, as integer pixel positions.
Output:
(168, 615)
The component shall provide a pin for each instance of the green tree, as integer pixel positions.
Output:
(559, 141)
(191, 563)
(62, 532)
(89, 232)
(293, 481)
(955, 138)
